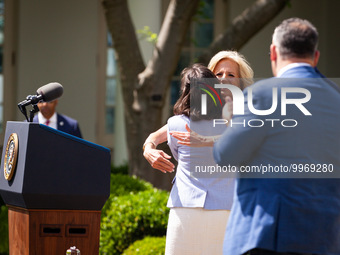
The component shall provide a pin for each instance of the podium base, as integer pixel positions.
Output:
(40, 232)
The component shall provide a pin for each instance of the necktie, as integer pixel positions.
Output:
(47, 122)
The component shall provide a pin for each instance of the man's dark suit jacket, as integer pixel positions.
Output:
(65, 124)
(286, 213)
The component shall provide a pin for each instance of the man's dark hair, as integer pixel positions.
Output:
(296, 38)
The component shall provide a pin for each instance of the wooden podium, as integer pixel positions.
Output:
(55, 186)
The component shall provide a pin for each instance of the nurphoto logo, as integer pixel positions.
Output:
(239, 105)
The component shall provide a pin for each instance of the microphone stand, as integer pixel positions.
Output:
(33, 111)
(23, 110)
(29, 100)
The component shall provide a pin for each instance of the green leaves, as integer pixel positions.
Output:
(134, 210)
(148, 35)
(149, 245)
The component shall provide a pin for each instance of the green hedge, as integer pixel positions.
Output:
(132, 217)
(124, 184)
(149, 245)
(121, 185)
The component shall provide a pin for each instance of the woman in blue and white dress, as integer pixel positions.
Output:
(200, 200)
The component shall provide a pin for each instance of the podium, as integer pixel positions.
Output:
(55, 186)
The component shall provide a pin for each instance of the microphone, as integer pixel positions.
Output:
(46, 93)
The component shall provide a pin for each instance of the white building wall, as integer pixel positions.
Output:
(57, 41)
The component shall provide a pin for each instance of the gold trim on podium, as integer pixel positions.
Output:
(11, 156)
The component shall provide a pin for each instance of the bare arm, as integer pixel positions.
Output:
(192, 139)
(158, 159)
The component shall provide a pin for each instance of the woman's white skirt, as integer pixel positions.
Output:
(195, 231)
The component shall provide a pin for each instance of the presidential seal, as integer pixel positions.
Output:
(11, 156)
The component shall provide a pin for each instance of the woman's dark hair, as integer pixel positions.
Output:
(197, 80)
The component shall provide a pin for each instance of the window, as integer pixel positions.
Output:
(111, 86)
(199, 37)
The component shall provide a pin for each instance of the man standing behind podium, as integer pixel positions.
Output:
(287, 215)
(47, 115)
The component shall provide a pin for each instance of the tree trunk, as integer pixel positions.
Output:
(143, 88)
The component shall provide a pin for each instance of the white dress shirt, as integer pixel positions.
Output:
(53, 120)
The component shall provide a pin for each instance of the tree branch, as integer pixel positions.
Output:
(168, 48)
(126, 46)
(245, 26)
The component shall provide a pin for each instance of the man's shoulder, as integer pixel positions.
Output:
(265, 86)
(302, 71)
(66, 118)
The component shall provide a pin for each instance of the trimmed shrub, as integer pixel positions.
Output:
(149, 245)
(122, 184)
(132, 217)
